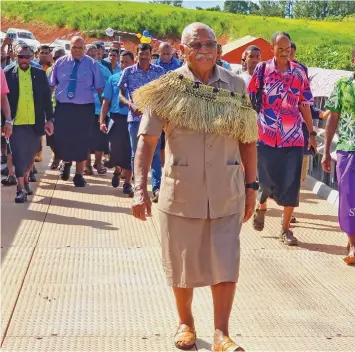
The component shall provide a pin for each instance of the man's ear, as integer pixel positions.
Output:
(182, 49)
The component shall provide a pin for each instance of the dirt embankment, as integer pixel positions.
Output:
(46, 33)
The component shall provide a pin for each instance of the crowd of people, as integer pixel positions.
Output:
(218, 145)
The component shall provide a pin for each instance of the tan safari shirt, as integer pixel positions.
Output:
(203, 176)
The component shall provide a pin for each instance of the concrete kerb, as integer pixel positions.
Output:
(322, 190)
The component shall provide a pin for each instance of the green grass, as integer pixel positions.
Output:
(320, 43)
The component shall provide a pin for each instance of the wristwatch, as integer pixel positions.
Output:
(254, 185)
(10, 122)
(313, 133)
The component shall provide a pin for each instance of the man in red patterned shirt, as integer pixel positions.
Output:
(285, 98)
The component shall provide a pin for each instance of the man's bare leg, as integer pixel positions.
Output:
(263, 206)
(350, 258)
(80, 165)
(98, 158)
(183, 297)
(10, 165)
(223, 297)
(288, 211)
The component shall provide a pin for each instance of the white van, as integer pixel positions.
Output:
(23, 36)
(61, 43)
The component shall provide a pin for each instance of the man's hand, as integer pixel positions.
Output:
(250, 202)
(103, 128)
(327, 162)
(7, 130)
(312, 142)
(49, 128)
(7, 41)
(142, 206)
(134, 109)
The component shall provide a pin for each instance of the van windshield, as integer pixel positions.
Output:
(26, 35)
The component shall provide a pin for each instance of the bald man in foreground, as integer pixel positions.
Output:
(76, 77)
(211, 134)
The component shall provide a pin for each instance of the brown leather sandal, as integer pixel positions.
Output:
(185, 333)
(101, 170)
(259, 219)
(226, 345)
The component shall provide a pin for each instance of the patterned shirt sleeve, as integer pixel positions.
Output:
(161, 71)
(123, 83)
(334, 102)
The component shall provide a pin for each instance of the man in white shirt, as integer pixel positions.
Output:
(251, 57)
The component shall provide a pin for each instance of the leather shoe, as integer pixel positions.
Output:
(65, 172)
(79, 181)
(21, 196)
(9, 181)
(288, 238)
(32, 177)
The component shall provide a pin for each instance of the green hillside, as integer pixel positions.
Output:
(320, 43)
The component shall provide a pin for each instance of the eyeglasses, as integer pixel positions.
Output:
(198, 46)
(24, 56)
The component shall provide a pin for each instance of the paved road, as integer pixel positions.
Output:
(80, 274)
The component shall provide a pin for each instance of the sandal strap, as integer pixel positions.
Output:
(185, 328)
(185, 333)
(228, 345)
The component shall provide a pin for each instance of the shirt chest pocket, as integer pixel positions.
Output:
(84, 75)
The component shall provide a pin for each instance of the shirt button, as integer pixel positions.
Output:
(208, 145)
(207, 164)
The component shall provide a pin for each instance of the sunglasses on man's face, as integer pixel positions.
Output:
(198, 45)
(27, 57)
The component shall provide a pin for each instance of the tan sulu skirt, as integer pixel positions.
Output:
(200, 252)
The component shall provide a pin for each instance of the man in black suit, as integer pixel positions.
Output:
(32, 115)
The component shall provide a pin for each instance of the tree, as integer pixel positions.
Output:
(243, 7)
(167, 2)
(272, 8)
(216, 8)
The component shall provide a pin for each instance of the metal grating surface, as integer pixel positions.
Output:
(13, 268)
(96, 283)
(89, 344)
(93, 310)
(284, 344)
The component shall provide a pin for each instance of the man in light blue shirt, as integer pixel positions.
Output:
(98, 140)
(120, 146)
(166, 59)
(133, 78)
(113, 58)
(221, 62)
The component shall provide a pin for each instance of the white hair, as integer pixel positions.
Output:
(192, 30)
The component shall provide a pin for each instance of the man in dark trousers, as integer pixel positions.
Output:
(31, 106)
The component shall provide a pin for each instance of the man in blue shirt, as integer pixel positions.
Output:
(98, 140)
(100, 55)
(120, 146)
(220, 62)
(166, 59)
(114, 58)
(133, 78)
